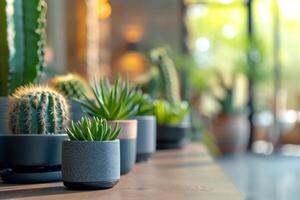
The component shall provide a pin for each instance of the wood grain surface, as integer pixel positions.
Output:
(173, 174)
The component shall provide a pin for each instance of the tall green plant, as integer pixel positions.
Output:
(23, 31)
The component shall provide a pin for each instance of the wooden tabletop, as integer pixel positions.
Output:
(174, 174)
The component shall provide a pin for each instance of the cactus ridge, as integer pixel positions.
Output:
(168, 73)
(37, 110)
(71, 85)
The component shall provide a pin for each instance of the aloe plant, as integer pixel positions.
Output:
(145, 104)
(170, 113)
(96, 129)
(112, 102)
(22, 40)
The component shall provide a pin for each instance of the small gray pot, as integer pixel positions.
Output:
(172, 137)
(76, 111)
(3, 113)
(31, 158)
(90, 165)
(146, 137)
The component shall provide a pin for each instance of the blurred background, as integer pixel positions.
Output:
(237, 65)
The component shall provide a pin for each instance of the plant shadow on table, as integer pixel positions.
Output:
(18, 191)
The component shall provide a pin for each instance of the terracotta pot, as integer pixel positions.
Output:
(127, 139)
(231, 132)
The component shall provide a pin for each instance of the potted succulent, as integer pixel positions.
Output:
(172, 130)
(91, 158)
(230, 125)
(117, 104)
(73, 87)
(22, 45)
(146, 135)
(37, 117)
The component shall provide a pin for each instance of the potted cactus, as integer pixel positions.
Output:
(171, 112)
(230, 125)
(116, 103)
(146, 135)
(73, 87)
(91, 158)
(37, 117)
(22, 42)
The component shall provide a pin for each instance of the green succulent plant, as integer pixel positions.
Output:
(170, 114)
(37, 110)
(95, 129)
(22, 42)
(145, 104)
(71, 85)
(111, 102)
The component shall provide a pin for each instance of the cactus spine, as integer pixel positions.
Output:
(71, 85)
(37, 110)
(161, 59)
(23, 31)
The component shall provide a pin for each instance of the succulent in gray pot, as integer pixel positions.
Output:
(146, 134)
(73, 87)
(116, 103)
(37, 117)
(172, 129)
(91, 158)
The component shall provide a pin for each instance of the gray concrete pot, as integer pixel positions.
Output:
(172, 137)
(31, 158)
(127, 139)
(3, 114)
(76, 111)
(146, 137)
(90, 165)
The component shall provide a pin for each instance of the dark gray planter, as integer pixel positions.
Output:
(90, 165)
(3, 115)
(127, 139)
(31, 158)
(146, 137)
(76, 111)
(172, 137)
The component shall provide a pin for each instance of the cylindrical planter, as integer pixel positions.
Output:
(3, 114)
(31, 158)
(146, 137)
(172, 137)
(231, 132)
(76, 111)
(127, 139)
(90, 165)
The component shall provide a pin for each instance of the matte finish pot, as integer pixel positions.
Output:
(38, 155)
(76, 111)
(146, 137)
(172, 137)
(90, 165)
(127, 139)
(3, 115)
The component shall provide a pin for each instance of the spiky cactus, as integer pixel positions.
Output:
(37, 110)
(22, 42)
(161, 59)
(71, 85)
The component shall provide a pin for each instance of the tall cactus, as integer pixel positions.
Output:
(23, 31)
(37, 110)
(161, 59)
(71, 85)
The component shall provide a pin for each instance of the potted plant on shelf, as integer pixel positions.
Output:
(37, 118)
(146, 135)
(117, 104)
(73, 87)
(91, 158)
(230, 125)
(172, 131)
(22, 45)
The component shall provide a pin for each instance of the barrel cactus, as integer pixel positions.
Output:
(71, 85)
(37, 110)
(169, 76)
